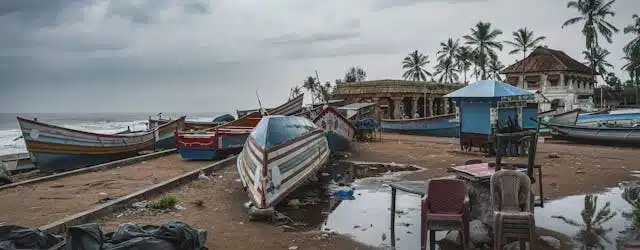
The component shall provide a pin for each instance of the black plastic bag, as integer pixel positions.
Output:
(14, 237)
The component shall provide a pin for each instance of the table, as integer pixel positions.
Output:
(413, 187)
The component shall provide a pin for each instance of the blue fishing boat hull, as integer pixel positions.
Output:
(52, 162)
(442, 126)
(202, 154)
(337, 142)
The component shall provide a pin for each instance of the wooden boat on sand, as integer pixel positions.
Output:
(563, 126)
(442, 125)
(195, 125)
(293, 106)
(280, 153)
(338, 130)
(226, 139)
(54, 148)
(217, 142)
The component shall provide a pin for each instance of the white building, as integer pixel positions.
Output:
(563, 80)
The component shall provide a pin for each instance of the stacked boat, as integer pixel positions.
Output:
(565, 126)
(228, 138)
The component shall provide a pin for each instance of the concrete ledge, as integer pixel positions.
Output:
(61, 226)
(104, 166)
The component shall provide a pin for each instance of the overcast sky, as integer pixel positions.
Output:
(212, 55)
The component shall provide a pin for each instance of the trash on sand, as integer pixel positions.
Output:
(203, 176)
(140, 204)
(107, 199)
(178, 207)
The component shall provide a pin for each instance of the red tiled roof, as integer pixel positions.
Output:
(544, 60)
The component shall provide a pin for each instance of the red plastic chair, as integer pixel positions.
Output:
(444, 208)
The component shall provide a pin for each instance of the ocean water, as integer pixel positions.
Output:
(107, 123)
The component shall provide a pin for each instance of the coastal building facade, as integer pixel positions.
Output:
(567, 83)
(397, 98)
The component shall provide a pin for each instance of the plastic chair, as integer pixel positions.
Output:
(512, 208)
(445, 207)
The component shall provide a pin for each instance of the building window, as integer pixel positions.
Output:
(553, 80)
(533, 84)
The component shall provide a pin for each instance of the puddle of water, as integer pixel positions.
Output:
(570, 208)
(366, 219)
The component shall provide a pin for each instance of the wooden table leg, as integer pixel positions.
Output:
(393, 217)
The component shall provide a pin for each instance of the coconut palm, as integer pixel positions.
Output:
(414, 64)
(591, 231)
(523, 41)
(446, 69)
(311, 85)
(478, 59)
(593, 13)
(483, 38)
(448, 49)
(355, 74)
(633, 29)
(597, 59)
(495, 66)
(324, 92)
(295, 92)
(463, 60)
(633, 68)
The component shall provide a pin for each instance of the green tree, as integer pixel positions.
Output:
(295, 92)
(483, 38)
(311, 85)
(324, 92)
(524, 40)
(414, 65)
(355, 74)
(597, 59)
(593, 13)
(633, 29)
(446, 69)
(495, 66)
(463, 60)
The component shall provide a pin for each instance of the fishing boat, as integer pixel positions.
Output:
(441, 125)
(54, 148)
(229, 138)
(280, 153)
(338, 130)
(217, 142)
(564, 126)
(293, 106)
(621, 118)
(194, 125)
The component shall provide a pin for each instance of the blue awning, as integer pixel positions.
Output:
(488, 88)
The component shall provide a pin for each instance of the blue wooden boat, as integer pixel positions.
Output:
(623, 118)
(194, 125)
(564, 126)
(442, 125)
(54, 148)
(338, 130)
(279, 155)
(292, 107)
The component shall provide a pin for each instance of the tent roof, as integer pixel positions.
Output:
(488, 88)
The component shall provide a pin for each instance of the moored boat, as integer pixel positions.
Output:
(53, 147)
(217, 142)
(293, 106)
(338, 130)
(442, 125)
(564, 126)
(280, 153)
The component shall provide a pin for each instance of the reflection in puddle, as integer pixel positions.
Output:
(366, 218)
(591, 224)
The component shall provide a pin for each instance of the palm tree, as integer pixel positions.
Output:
(324, 92)
(593, 13)
(355, 74)
(463, 60)
(478, 59)
(633, 68)
(310, 85)
(447, 71)
(483, 38)
(591, 231)
(495, 66)
(414, 64)
(295, 92)
(597, 59)
(448, 49)
(633, 29)
(524, 40)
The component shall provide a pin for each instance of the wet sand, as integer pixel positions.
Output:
(41, 203)
(579, 169)
(224, 217)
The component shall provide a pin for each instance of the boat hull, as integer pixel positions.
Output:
(211, 147)
(55, 148)
(442, 126)
(270, 174)
(338, 130)
(594, 135)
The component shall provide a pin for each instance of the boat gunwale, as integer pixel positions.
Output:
(333, 110)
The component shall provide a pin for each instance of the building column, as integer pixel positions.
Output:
(398, 107)
(414, 106)
(376, 108)
(445, 105)
(430, 108)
